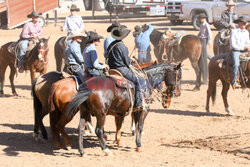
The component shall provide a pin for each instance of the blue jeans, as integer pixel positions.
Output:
(144, 57)
(22, 51)
(78, 71)
(94, 73)
(236, 64)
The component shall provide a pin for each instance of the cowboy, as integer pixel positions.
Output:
(142, 42)
(228, 16)
(91, 64)
(74, 58)
(205, 36)
(118, 59)
(109, 39)
(73, 22)
(31, 30)
(239, 42)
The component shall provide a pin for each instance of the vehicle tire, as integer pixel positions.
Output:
(218, 25)
(196, 22)
(176, 22)
(42, 21)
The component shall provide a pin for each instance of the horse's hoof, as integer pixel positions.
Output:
(36, 137)
(133, 132)
(119, 144)
(68, 148)
(108, 152)
(196, 88)
(207, 111)
(229, 111)
(138, 149)
(105, 137)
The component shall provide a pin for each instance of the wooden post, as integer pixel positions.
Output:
(55, 17)
(93, 9)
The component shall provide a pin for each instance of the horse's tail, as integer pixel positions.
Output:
(214, 94)
(58, 55)
(82, 95)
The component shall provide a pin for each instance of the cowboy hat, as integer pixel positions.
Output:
(137, 30)
(202, 15)
(75, 34)
(113, 25)
(230, 3)
(241, 19)
(33, 14)
(119, 33)
(93, 36)
(144, 27)
(74, 8)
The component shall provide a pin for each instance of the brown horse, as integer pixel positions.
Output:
(224, 74)
(37, 61)
(59, 53)
(102, 97)
(189, 47)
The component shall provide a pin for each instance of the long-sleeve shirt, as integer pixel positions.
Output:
(142, 41)
(118, 56)
(31, 28)
(73, 23)
(90, 58)
(227, 18)
(239, 39)
(107, 42)
(205, 31)
(73, 54)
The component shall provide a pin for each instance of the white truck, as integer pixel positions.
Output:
(213, 9)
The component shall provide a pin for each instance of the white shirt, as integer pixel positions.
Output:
(239, 39)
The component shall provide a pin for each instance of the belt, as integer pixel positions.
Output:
(235, 50)
(142, 52)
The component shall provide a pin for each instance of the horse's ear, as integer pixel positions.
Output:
(48, 38)
(178, 66)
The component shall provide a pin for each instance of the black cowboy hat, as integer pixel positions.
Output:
(144, 27)
(137, 30)
(113, 25)
(241, 19)
(202, 15)
(119, 33)
(74, 8)
(93, 36)
(33, 14)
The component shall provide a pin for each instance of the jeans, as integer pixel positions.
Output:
(236, 64)
(138, 82)
(22, 51)
(78, 71)
(94, 72)
(144, 57)
(203, 60)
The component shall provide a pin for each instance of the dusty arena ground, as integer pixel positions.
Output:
(184, 135)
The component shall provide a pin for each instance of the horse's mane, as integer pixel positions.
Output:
(159, 66)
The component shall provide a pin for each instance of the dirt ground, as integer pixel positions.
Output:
(183, 135)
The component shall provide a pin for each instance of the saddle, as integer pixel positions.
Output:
(14, 47)
(76, 79)
(224, 36)
(119, 80)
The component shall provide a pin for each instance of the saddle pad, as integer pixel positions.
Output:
(121, 82)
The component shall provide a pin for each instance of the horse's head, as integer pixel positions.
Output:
(43, 48)
(173, 85)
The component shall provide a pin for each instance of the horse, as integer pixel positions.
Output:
(59, 52)
(224, 74)
(102, 97)
(37, 61)
(189, 47)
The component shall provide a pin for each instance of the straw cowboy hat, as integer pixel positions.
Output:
(137, 30)
(202, 15)
(119, 33)
(113, 25)
(74, 8)
(33, 14)
(241, 19)
(230, 3)
(75, 34)
(93, 36)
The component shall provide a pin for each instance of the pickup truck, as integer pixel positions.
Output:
(213, 9)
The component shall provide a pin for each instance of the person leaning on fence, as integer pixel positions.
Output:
(239, 42)
(142, 42)
(118, 58)
(74, 59)
(91, 64)
(73, 22)
(31, 30)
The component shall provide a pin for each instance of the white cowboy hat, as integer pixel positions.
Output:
(75, 34)
(230, 3)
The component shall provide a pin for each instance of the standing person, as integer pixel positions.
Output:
(109, 39)
(118, 59)
(73, 22)
(31, 30)
(205, 36)
(74, 58)
(142, 42)
(239, 42)
(228, 16)
(91, 64)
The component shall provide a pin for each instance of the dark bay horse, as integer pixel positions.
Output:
(102, 97)
(37, 61)
(224, 74)
(59, 53)
(189, 47)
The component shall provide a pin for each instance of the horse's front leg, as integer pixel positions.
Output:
(2, 77)
(132, 124)
(12, 74)
(81, 132)
(225, 88)
(210, 89)
(100, 133)
(198, 75)
(118, 123)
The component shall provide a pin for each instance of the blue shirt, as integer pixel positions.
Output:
(73, 23)
(142, 41)
(239, 39)
(90, 58)
(73, 54)
(107, 42)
